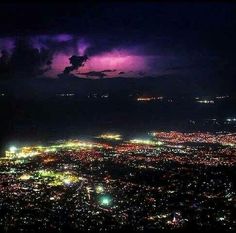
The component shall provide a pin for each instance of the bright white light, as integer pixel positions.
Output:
(67, 181)
(13, 149)
(145, 141)
(110, 136)
(159, 143)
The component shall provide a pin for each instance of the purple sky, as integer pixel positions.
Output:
(136, 40)
(124, 60)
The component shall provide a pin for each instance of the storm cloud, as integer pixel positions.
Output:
(24, 60)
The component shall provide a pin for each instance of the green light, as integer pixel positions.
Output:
(105, 201)
(54, 178)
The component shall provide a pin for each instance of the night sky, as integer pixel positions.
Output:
(123, 39)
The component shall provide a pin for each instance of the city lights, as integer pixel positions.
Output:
(25, 177)
(96, 181)
(110, 136)
(117, 117)
(206, 101)
(13, 149)
(146, 142)
(99, 189)
(145, 99)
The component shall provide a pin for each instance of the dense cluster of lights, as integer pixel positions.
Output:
(146, 142)
(99, 189)
(110, 136)
(164, 182)
(51, 177)
(56, 178)
(198, 137)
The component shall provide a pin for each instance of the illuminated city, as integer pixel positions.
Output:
(165, 181)
(117, 117)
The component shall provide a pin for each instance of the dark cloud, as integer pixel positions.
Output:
(25, 61)
(107, 71)
(65, 43)
(121, 72)
(98, 74)
(76, 62)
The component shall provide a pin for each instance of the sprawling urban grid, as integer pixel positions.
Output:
(160, 181)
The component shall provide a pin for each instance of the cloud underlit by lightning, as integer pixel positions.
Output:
(120, 60)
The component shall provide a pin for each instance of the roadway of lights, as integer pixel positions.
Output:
(163, 181)
(107, 136)
(146, 142)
